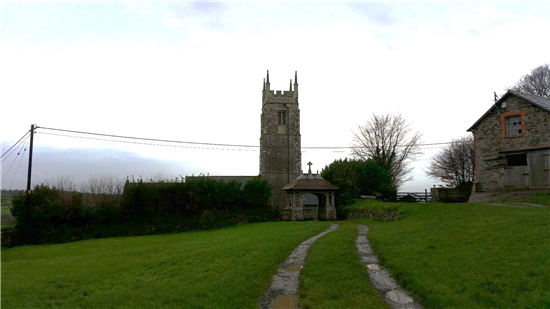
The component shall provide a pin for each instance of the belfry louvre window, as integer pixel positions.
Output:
(513, 126)
(282, 118)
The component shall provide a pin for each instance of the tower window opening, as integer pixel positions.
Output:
(282, 118)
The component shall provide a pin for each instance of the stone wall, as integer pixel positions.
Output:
(380, 215)
(490, 139)
(445, 195)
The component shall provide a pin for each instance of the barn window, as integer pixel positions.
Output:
(282, 118)
(513, 126)
(516, 160)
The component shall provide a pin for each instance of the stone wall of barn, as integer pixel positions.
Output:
(490, 139)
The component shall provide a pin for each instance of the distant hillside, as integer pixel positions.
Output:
(10, 193)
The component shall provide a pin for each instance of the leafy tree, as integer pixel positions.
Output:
(537, 82)
(388, 140)
(357, 177)
(454, 165)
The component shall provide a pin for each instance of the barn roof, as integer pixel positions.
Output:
(310, 182)
(541, 102)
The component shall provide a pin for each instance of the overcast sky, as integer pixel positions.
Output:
(193, 71)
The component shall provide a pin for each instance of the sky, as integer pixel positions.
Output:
(193, 71)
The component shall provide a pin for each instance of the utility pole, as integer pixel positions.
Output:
(33, 127)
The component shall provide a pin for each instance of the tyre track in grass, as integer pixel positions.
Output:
(282, 293)
(381, 279)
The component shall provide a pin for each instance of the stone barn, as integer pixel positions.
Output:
(512, 144)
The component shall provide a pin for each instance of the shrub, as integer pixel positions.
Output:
(256, 193)
(407, 199)
(146, 208)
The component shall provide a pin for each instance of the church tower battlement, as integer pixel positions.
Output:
(280, 140)
(272, 96)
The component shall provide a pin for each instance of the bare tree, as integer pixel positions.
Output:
(103, 184)
(537, 82)
(388, 140)
(64, 184)
(454, 165)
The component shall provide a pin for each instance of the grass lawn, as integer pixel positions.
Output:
(332, 276)
(467, 255)
(225, 268)
(539, 198)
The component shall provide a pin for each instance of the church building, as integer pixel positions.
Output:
(297, 196)
(281, 158)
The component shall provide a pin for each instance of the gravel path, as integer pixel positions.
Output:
(282, 293)
(381, 279)
(516, 205)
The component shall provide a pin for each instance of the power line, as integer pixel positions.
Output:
(12, 163)
(147, 139)
(14, 149)
(200, 143)
(188, 147)
(15, 143)
(150, 144)
(17, 169)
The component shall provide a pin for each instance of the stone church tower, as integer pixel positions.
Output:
(280, 141)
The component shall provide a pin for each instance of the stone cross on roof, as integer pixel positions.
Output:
(310, 164)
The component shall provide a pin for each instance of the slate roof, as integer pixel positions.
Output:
(310, 182)
(541, 102)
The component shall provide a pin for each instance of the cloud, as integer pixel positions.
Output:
(378, 13)
(208, 7)
(485, 28)
(79, 163)
(207, 13)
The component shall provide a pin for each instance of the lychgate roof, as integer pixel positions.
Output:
(310, 182)
(541, 102)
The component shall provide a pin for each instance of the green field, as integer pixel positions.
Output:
(447, 255)
(468, 255)
(539, 198)
(225, 268)
(333, 277)
(7, 218)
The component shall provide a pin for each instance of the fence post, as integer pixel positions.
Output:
(426, 195)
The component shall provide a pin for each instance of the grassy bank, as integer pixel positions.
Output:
(225, 268)
(468, 255)
(333, 277)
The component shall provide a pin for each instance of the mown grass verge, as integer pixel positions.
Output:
(468, 255)
(332, 276)
(225, 268)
